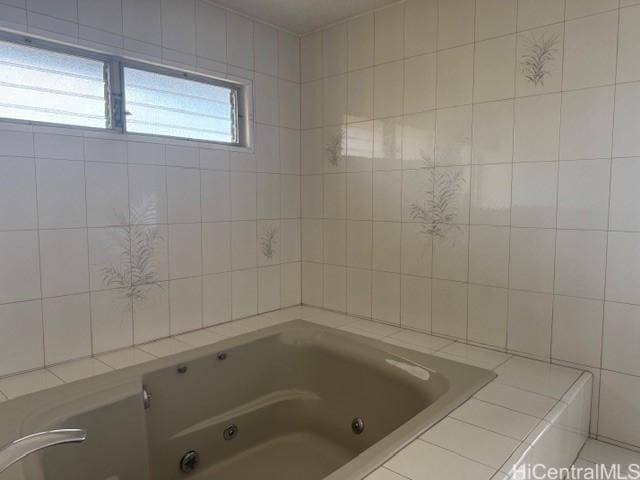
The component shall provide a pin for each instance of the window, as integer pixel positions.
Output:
(177, 107)
(45, 83)
(44, 86)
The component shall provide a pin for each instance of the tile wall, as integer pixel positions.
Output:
(221, 228)
(469, 168)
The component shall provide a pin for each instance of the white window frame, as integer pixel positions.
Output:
(115, 95)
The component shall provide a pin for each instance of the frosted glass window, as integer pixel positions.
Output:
(44, 86)
(161, 104)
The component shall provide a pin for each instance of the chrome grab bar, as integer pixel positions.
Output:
(18, 449)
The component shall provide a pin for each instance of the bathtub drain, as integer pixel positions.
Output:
(230, 432)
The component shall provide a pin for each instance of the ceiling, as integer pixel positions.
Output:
(302, 16)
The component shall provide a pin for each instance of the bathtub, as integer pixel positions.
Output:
(288, 402)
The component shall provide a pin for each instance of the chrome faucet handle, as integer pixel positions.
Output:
(18, 449)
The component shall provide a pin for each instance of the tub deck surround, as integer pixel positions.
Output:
(532, 412)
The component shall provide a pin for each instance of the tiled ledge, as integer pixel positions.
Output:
(533, 412)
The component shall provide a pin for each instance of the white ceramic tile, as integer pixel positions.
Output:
(290, 241)
(580, 263)
(62, 147)
(67, 328)
(268, 196)
(495, 418)
(533, 200)
(456, 23)
(268, 288)
(359, 244)
(386, 297)
(420, 83)
(199, 338)
(455, 79)
(490, 194)
(387, 144)
(530, 319)
(489, 255)
(147, 194)
(388, 81)
(516, 399)
(266, 142)
(475, 355)
(243, 196)
(421, 459)
(537, 74)
(243, 245)
(216, 247)
(360, 95)
(453, 136)
(618, 409)
(64, 262)
(387, 195)
(581, 8)
(289, 151)
(211, 32)
(383, 474)
(216, 291)
(493, 132)
(244, 293)
(289, 104)
(164, 347)
(311, 56)
(628, 41)
(288, 56)
(265, 47)
(312, 148)
(533, 13)
(151, 313)
(360, 147)
(79, 369)
(266, 105)
(185, 301)
(583, 194)
(185, 250)
(494, 69)
(415, 306)
(416, 250)
(495, 18)
(359, 196)
(389, 34)
(125, 358)
(312, 283)
(21, 321)
(66, 9)
(18, 189)
(178, 31)
(625, 132)
(20, 273)
(107, 194)
(25, 383)
(111, 320)
(311, 98)
(290, 282)
(532, 259)
(534, 376)
(625, 212)
(147, 153)
(312, 240)
(216, 201)
(449, 308)
(451, 255)
(590, 51)
(239, 41)
(358, 292)
(360, 42)
(61, 194)
(471, 442)
(335, 287)
(488, 315)
(536, 125)
(621, 332)
(420, 26)
(335, 195)
(577, 330)
(335, 242)
(418, 140)
(586, 123)
(181, 156)
(623, 267)
(599, 452)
